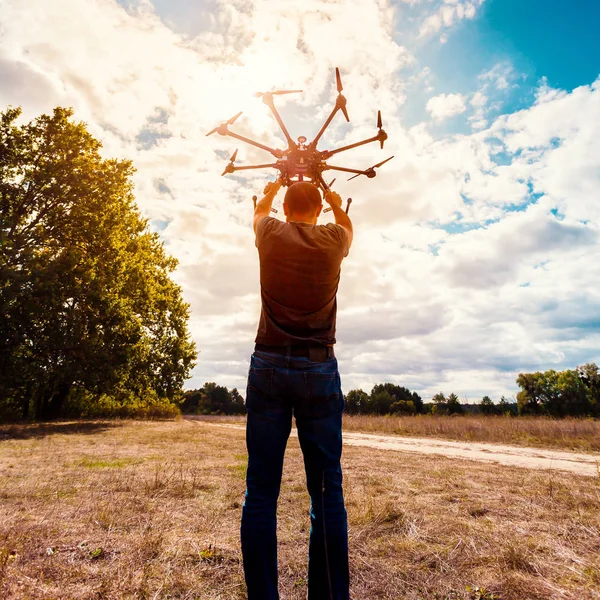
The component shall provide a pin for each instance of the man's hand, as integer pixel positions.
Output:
(263, 208)
(272, 188)
(333, 199)
(341, 218)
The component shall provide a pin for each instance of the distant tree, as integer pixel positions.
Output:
(381, 402)
(454, 405)
(357, 402)
(87, 306)
(507, 408)
(399, 393)
(191, 401)
(573, 397)
(487, 406)
(529, 399)
(403, 407)
(215, 399)
(590, 377)
(238, 406)
(439, 404)
(555, 393)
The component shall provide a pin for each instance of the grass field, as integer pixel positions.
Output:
(541, 432)
(109, 510)
(569, 434)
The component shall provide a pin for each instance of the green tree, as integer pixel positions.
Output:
(507, 408)
(86, 299)
(403, 407)
(556, 393)
(357, 402)
(439, 404)
(238, 406)
(487, 406)
(529, 399)
(399, 393)
(381, 402)
(590, 376)
(454, 405)
(215, 399)
(191, 401)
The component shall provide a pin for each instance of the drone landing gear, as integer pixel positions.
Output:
(348, 203)
(255, 199)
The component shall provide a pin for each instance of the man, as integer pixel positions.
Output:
(294, 371)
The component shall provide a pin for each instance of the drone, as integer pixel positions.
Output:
(302, 160)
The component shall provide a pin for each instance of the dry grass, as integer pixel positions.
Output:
(541, 432)
(571, 434)
(152, 509)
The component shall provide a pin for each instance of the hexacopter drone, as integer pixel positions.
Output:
(302, 160)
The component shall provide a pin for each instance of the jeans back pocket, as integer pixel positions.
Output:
(323, 395)
(259, 389)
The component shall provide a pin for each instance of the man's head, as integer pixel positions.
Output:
(302, 202)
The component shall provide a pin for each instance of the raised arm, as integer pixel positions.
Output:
(341, 218)
(263, 207)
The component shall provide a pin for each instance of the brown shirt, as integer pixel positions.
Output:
(299, 276)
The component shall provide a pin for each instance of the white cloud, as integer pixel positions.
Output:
(448, 14)
(446, 105)
(501, 76)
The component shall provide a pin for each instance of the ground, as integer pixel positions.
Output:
(152, 509)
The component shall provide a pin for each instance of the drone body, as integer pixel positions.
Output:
(302, 161)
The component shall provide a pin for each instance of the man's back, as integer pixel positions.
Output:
(299, 277)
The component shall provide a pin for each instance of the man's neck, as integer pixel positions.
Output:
(302, 219)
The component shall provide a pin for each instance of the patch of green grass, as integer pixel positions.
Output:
(103, 463)
(239, 470)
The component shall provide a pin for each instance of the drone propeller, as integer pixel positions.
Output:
(381, 134)
(230, 168)
(223, 126)
(341, 99)
(370, 172)
(277, 93)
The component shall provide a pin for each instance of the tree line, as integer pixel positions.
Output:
(213, 399)
(569, 393)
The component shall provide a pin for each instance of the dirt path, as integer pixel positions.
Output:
(517, 456)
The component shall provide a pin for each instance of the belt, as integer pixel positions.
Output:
(314, 353)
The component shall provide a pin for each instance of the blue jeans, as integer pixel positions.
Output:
(277, 387)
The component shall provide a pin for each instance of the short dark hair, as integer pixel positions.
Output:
(303, 198)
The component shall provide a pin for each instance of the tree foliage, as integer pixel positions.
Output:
(213, 399)
(385, 398)
(87, 306)
(357, 402)
(487, 406)
(560, 393)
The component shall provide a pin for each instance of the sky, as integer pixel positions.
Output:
(475, 253)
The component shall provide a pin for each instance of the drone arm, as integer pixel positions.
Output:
(275, 153)
(247, 168)
(350, 146)
(325, 125)
(268, 100)
(345, 169)
(322, 183)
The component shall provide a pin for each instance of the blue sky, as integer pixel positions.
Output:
(475, 252)
(553, 39)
